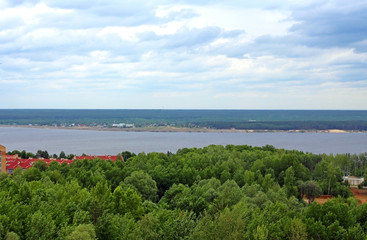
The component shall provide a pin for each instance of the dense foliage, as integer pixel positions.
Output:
(220, 119)
(232, 192)
(289, 125)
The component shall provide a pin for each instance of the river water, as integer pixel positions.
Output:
(113, 142)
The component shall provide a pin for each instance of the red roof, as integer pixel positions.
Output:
(13, 161)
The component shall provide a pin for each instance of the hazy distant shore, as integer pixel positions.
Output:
(176, 129)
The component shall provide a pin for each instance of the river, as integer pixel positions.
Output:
(112, 142)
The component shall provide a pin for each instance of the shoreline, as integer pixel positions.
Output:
(180, 129)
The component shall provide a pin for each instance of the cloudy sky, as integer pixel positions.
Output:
(273, 54)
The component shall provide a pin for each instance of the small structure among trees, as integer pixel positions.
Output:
(353, 181)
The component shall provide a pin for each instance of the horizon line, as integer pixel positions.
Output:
(188, 109)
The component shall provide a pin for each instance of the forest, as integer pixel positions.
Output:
(351, 120)
(289, 125)
(215, 192)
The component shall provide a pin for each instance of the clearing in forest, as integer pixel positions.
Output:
(359, 194)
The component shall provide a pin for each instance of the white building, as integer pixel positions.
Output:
(123, 125)
(353, 181)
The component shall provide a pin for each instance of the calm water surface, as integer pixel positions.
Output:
(108, 142)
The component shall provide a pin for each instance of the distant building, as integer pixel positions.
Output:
(123, 125)
(353, 181)
(3, 159)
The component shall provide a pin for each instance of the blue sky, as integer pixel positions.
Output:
(276, 54)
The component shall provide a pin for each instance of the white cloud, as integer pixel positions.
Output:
(256, 22)
(269, 54)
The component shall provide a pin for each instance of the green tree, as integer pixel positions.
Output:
(127, 201)
(267, 182)
(356, 233)
(23, 154)
(4, 225)
(32, 174)
(62, 155)
(229, 224)
(144, 184)
(296, 230)
(261, 233)
(41, 165)
(101, 200)
(81, 217)
(228, 195)
(83, 232)
(40, 227)
(126, 155)
(54, 165)
(290, 182)
(328, 175)
(249, 177)
(167, 224)
(310, 189)
(12, 236)
(178, 196)
(117, 227)
(42, 154)
(315, 229)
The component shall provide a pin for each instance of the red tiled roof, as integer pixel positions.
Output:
(13, 161)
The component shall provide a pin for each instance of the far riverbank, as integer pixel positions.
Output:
(179, 129)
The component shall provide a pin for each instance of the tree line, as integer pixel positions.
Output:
(41, 154)
(219, 119)
(287, 125)
(215, 192)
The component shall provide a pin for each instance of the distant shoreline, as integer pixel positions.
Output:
(179, 129)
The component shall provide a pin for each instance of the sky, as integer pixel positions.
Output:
(133, 54)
